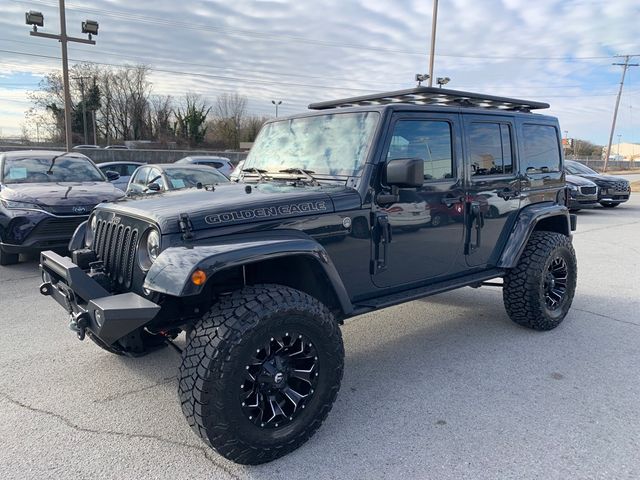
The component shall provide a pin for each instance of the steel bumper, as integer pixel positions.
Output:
(109, 317)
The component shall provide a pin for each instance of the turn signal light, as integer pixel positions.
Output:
(198, 277)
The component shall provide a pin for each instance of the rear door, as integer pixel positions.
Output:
(493, 194)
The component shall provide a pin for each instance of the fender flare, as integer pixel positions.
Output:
(171, 273)
(528, 218)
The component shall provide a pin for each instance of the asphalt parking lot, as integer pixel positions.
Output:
(442, 388)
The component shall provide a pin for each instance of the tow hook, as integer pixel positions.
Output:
(78, 323)
(45, 289)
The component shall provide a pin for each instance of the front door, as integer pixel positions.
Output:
(426, 223)
(493, 194)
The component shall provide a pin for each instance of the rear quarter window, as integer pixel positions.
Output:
(541, 149)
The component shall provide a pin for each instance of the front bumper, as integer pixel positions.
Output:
(109, 317)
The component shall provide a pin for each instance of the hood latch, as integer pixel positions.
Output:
(186, 227)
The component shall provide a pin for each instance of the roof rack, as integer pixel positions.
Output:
(434, 96)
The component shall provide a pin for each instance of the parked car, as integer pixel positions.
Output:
(124, 169)
(583, 193)
(222, 164)
(116, 147)
(44, 196)
(612, 190)
(164, 177)
(85, 147)
(410, 213)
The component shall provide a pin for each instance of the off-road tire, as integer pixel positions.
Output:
(8, 258)
(136, 344)
(609, 204)
(213, 368)
(524, 285)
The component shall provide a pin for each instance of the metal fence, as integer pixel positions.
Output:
(597, 163)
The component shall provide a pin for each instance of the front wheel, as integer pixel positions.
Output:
(260, 372)
(538, 292)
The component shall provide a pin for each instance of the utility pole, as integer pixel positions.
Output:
(625, 66)
(91, 28)
(434, 21)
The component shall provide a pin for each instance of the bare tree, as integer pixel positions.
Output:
(229, 110)
(160, 115)
(191, 119)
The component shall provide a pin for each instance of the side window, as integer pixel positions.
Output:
(541, 152)
(429, 140)
(129, 169)
(141, 177)
(489, 147)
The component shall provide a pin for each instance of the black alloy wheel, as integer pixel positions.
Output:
(281, 379)
(555, 283)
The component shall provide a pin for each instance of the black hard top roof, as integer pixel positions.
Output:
(434, 96)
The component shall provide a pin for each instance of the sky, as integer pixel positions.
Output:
(302, 51)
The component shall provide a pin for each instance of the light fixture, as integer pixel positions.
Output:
(421, 77)
(442, 81)
(90, 27)
(34, 18)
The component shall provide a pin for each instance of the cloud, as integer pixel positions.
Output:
(301, 52)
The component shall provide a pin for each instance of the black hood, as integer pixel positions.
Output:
(62, 198)
(229, 204)
(604, 180)
(579, 181)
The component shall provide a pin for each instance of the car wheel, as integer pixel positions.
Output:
(609, 204)
(438, 219)
(538, 292)
(493, 212)
(260, 372)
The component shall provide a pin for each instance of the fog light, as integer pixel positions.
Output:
(198, 277)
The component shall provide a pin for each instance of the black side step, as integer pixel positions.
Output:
(420, 292)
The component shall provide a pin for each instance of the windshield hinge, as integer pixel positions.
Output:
(186, 227)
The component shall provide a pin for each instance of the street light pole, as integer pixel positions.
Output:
(36, 19)
(434, 21)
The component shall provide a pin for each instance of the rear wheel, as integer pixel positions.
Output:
(438, 219)
(538, 292)
(260, 372)
(8, 258)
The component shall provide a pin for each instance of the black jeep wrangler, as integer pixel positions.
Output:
(332, 218)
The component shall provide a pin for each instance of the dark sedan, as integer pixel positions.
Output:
(583, 193)
(612, 191)
(165, 177)
(44, 196)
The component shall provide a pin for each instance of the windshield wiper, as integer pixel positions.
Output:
(259, 171)
(53, 161)
(305, 173)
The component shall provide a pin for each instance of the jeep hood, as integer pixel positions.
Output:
(229, 204)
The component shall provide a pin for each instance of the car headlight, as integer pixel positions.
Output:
(12, 204)
(90, 232)
(573, 187)
(149, 248)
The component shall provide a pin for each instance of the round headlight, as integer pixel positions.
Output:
(149, 248)
(90, 232)
(153, 245)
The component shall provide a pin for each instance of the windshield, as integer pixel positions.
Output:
(335, 144)
(576, 168)
(45, 169)
(190, 177)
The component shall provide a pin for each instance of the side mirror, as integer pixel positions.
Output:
(154, 187)
(405, 172)
(111, 175)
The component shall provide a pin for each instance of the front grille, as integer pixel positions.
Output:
(57, 227)
(588, 190)
(116, 244)
(622, 186)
